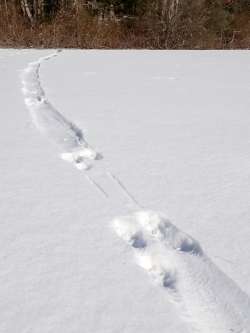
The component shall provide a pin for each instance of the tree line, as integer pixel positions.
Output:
(161, 24)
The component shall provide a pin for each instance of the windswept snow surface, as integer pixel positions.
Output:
(173, 131)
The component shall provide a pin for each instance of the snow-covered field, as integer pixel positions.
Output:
(125, 191)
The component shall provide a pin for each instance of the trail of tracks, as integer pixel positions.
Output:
(50, 122)
(209, 300)
(64, 133)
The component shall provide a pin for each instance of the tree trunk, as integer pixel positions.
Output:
(27, 11)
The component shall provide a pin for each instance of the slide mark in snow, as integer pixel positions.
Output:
(205, 297)
(124, 189)
(70, 139)
(51, 123)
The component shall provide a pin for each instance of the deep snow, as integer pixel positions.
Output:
(173, 131)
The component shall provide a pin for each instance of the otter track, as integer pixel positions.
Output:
(205, 297)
